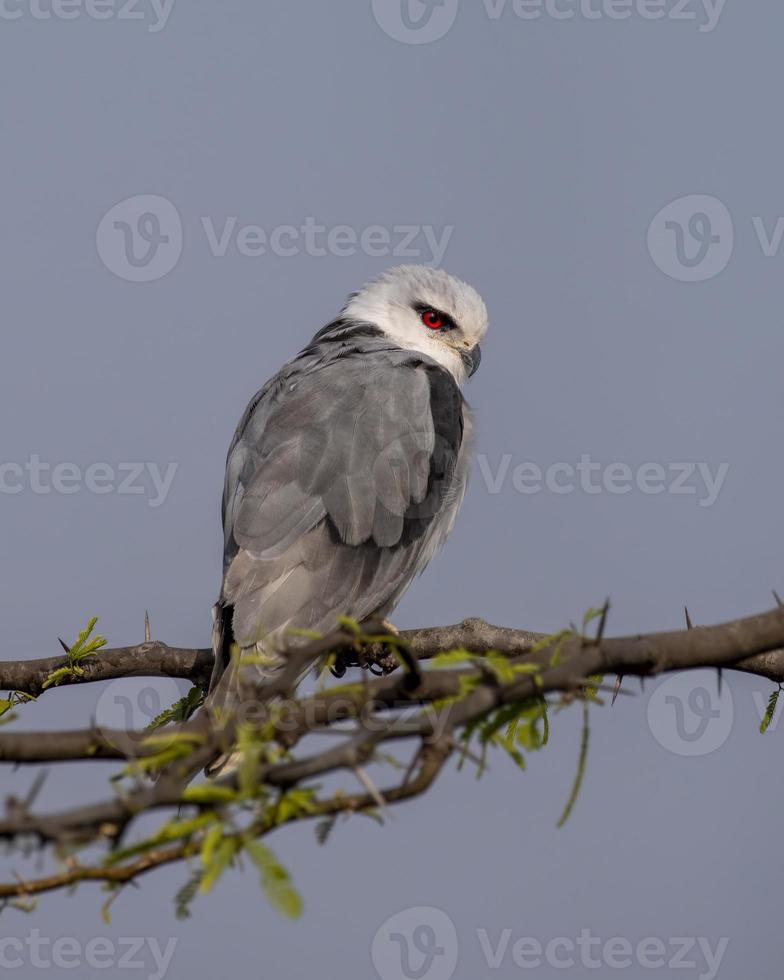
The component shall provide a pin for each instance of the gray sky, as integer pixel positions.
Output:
(540, 152)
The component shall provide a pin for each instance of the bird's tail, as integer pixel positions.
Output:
(224, 697)
(222, 639)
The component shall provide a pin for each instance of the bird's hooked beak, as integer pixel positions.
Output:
(471, 359)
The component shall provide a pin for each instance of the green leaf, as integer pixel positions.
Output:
(209, 795)
(106, 909)
(17, 698)
(554, 639)
(771, 710)
(466, 684)
(250, 750)
(79, 651)
(578, 779)
(589, 616)
(180, 711)
(225, 852)
(522, 725)
(591, 690)
(178, 829)
(209, 845)
(500, 666)
(84, 646)
(325, 827)
(59, 675)
(347, 689)
(175, 748)
(171, 831)
(452, 658)
(293, 804)
(186, 895)
(275, 880)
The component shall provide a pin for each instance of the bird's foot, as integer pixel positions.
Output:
(379, 658)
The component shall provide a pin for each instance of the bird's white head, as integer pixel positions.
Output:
(425, 310)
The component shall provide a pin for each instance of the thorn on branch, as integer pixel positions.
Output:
(412, 766)
(370, 787)
(35, 789)
(602, 622)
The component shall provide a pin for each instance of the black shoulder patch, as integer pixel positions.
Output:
(446, 404)
(446, 407)
(343, 329)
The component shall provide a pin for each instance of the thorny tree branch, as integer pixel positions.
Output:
(438, 703)
(155, 659)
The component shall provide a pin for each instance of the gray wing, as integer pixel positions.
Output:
(341, 481)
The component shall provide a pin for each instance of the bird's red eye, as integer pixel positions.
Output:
(432, 320)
